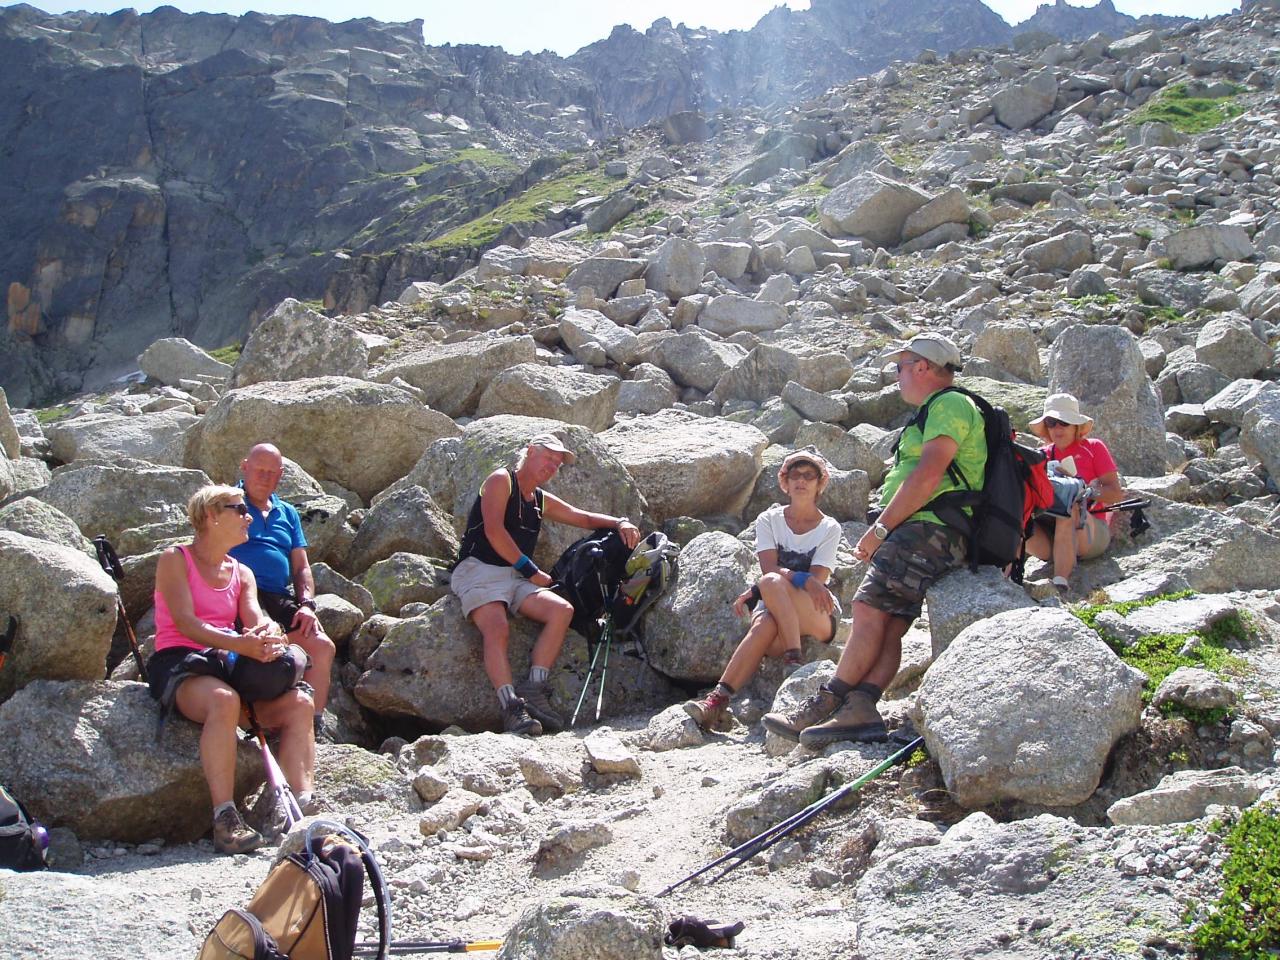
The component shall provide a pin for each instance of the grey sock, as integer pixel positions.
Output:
(838, 687)
(539, 674)
(506, 693)
(870, 689)
(228, 805)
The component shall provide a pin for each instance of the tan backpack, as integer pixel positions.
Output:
(308, 907)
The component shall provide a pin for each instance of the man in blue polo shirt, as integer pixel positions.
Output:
(276, 552)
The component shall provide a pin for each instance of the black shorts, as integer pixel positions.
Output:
(166, 669)
(280, 607)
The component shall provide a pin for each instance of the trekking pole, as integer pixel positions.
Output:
(109, 560)
(6, 641)
(604, 667)
(276, 781)
(768, 837)
(586, 685)
(430, 946)
(1133, 503)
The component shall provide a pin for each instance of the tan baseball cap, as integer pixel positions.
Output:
(549, 441)
(935, 348)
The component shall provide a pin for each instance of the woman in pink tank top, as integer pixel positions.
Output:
(200, 594)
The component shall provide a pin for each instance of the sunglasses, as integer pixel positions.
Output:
(240, 508)
(809, 475)
(1051, 422)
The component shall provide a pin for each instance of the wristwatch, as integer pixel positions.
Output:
(880, 531)
(309, 603)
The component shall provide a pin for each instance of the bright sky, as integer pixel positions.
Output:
(568, 25)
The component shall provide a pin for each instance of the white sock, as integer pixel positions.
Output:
(506, 693)
(539, 674)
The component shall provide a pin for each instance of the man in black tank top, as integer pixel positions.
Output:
(495, 576)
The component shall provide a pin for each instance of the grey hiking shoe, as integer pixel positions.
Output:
(537, 699)
(230, 835)
(709, 712)
(516, 719)
(813, 709)
(857, 719)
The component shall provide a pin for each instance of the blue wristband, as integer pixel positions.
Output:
(525, 567)
(798, 580)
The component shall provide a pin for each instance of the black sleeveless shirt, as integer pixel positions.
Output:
(522, 519)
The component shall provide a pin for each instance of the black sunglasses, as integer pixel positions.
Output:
(240, 508)
(1051, 422)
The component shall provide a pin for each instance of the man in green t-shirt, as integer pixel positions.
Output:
(907, 549)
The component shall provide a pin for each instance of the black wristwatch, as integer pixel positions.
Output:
(309, 603)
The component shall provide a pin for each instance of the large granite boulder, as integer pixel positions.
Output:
(1020, 105)
(579, 327)
(1013, 347)
(430, 669)
(686, 465)
(10, 439)
(1199, 246)
(35, 518)
(696, 360)
(295, 343)
(155, 437)
(1001, 709)
(84, 756)
(732, 313)
(765, 371)
(555, 393)
(1185, 795)
(595, 923)
(872, 207)
(88, 491)
(692, 629)
(1260, 430)
(452, 376)
(171, 359)
(676, 268)
(604, 274)
(1061, 253)
(66, 610)
(406, 521)
(1228, 344)
(453, 469)
(1103, 367)
(964, 597)
(361, 435)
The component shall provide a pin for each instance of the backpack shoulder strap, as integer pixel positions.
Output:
(922, 415)
(381, 897)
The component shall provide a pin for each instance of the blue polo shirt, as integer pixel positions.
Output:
(271, 539)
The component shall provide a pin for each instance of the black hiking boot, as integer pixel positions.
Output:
(230, 835)
(537, 700)
(813, 709)
(516, 719)
(857, 719)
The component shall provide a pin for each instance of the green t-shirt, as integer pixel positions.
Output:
(950, 415)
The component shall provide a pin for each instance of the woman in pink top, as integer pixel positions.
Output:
(200, 593)
(1066, 539)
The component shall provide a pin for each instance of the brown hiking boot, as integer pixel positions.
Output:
(813, 709)
(537, 700)
(230, 835)
(857, 719)
(709, 712)
(516, 719)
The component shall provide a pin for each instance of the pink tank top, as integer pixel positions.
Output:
(216, 607)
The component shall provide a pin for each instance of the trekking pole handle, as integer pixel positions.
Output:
(108, 559)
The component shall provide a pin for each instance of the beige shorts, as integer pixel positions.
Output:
(477, 583)
(1098, 538)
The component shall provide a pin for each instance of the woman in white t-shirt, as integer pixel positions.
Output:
(796, 545)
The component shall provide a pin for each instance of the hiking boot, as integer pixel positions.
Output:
(537, 700)
(857, 719)
(709, 712)
(813, 709)
(230, 835)
(516, 719)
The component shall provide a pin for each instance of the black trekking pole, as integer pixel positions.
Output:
(109, 560)
(429, 946)
(768, 837)
(6, 639)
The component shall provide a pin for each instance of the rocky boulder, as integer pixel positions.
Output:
(1228, 344)
(35, 518)
(66, 610)
(1103, 367)
(452, 376)
(1185, 795)
(604, 274)
(692, 629)
(1062, 253)
(696, 360)
(964, 597)
(295, 343)
(676, 268)
(73, 752)
(1013, 347)
(604, 923)
(362, 435)
(731, 313)
(406, 521)
(156, 437)
(1020, 105)
(579, 327)
(172, 359)
(686, 465)
(1001, 710)
(555, 393)
(1198, 247)
(872, 207)
(1260, 431)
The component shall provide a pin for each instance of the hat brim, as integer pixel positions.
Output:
(1084, 425)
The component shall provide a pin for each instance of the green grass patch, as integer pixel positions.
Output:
(526, 208)
(1159, 654)
(51, 414)
(1245, 920)
(1159, 315)
(1102, 299)
(475, 155)
(1187, 114)
(813, 189)
(228, 354)
(1145, 233)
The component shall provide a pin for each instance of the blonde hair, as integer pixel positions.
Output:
(209, 498)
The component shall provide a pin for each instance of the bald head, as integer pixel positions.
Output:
(262, 470)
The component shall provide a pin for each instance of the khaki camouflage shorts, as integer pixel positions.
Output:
(907, 564)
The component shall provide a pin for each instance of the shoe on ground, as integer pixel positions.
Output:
(231, 835)
(537, 700)
(314, 805)
(857, 719)
(710, 711)
(813, 709)
(516, 719)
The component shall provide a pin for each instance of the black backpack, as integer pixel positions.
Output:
(22, 841)
(1001, 508)
(599, 576)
